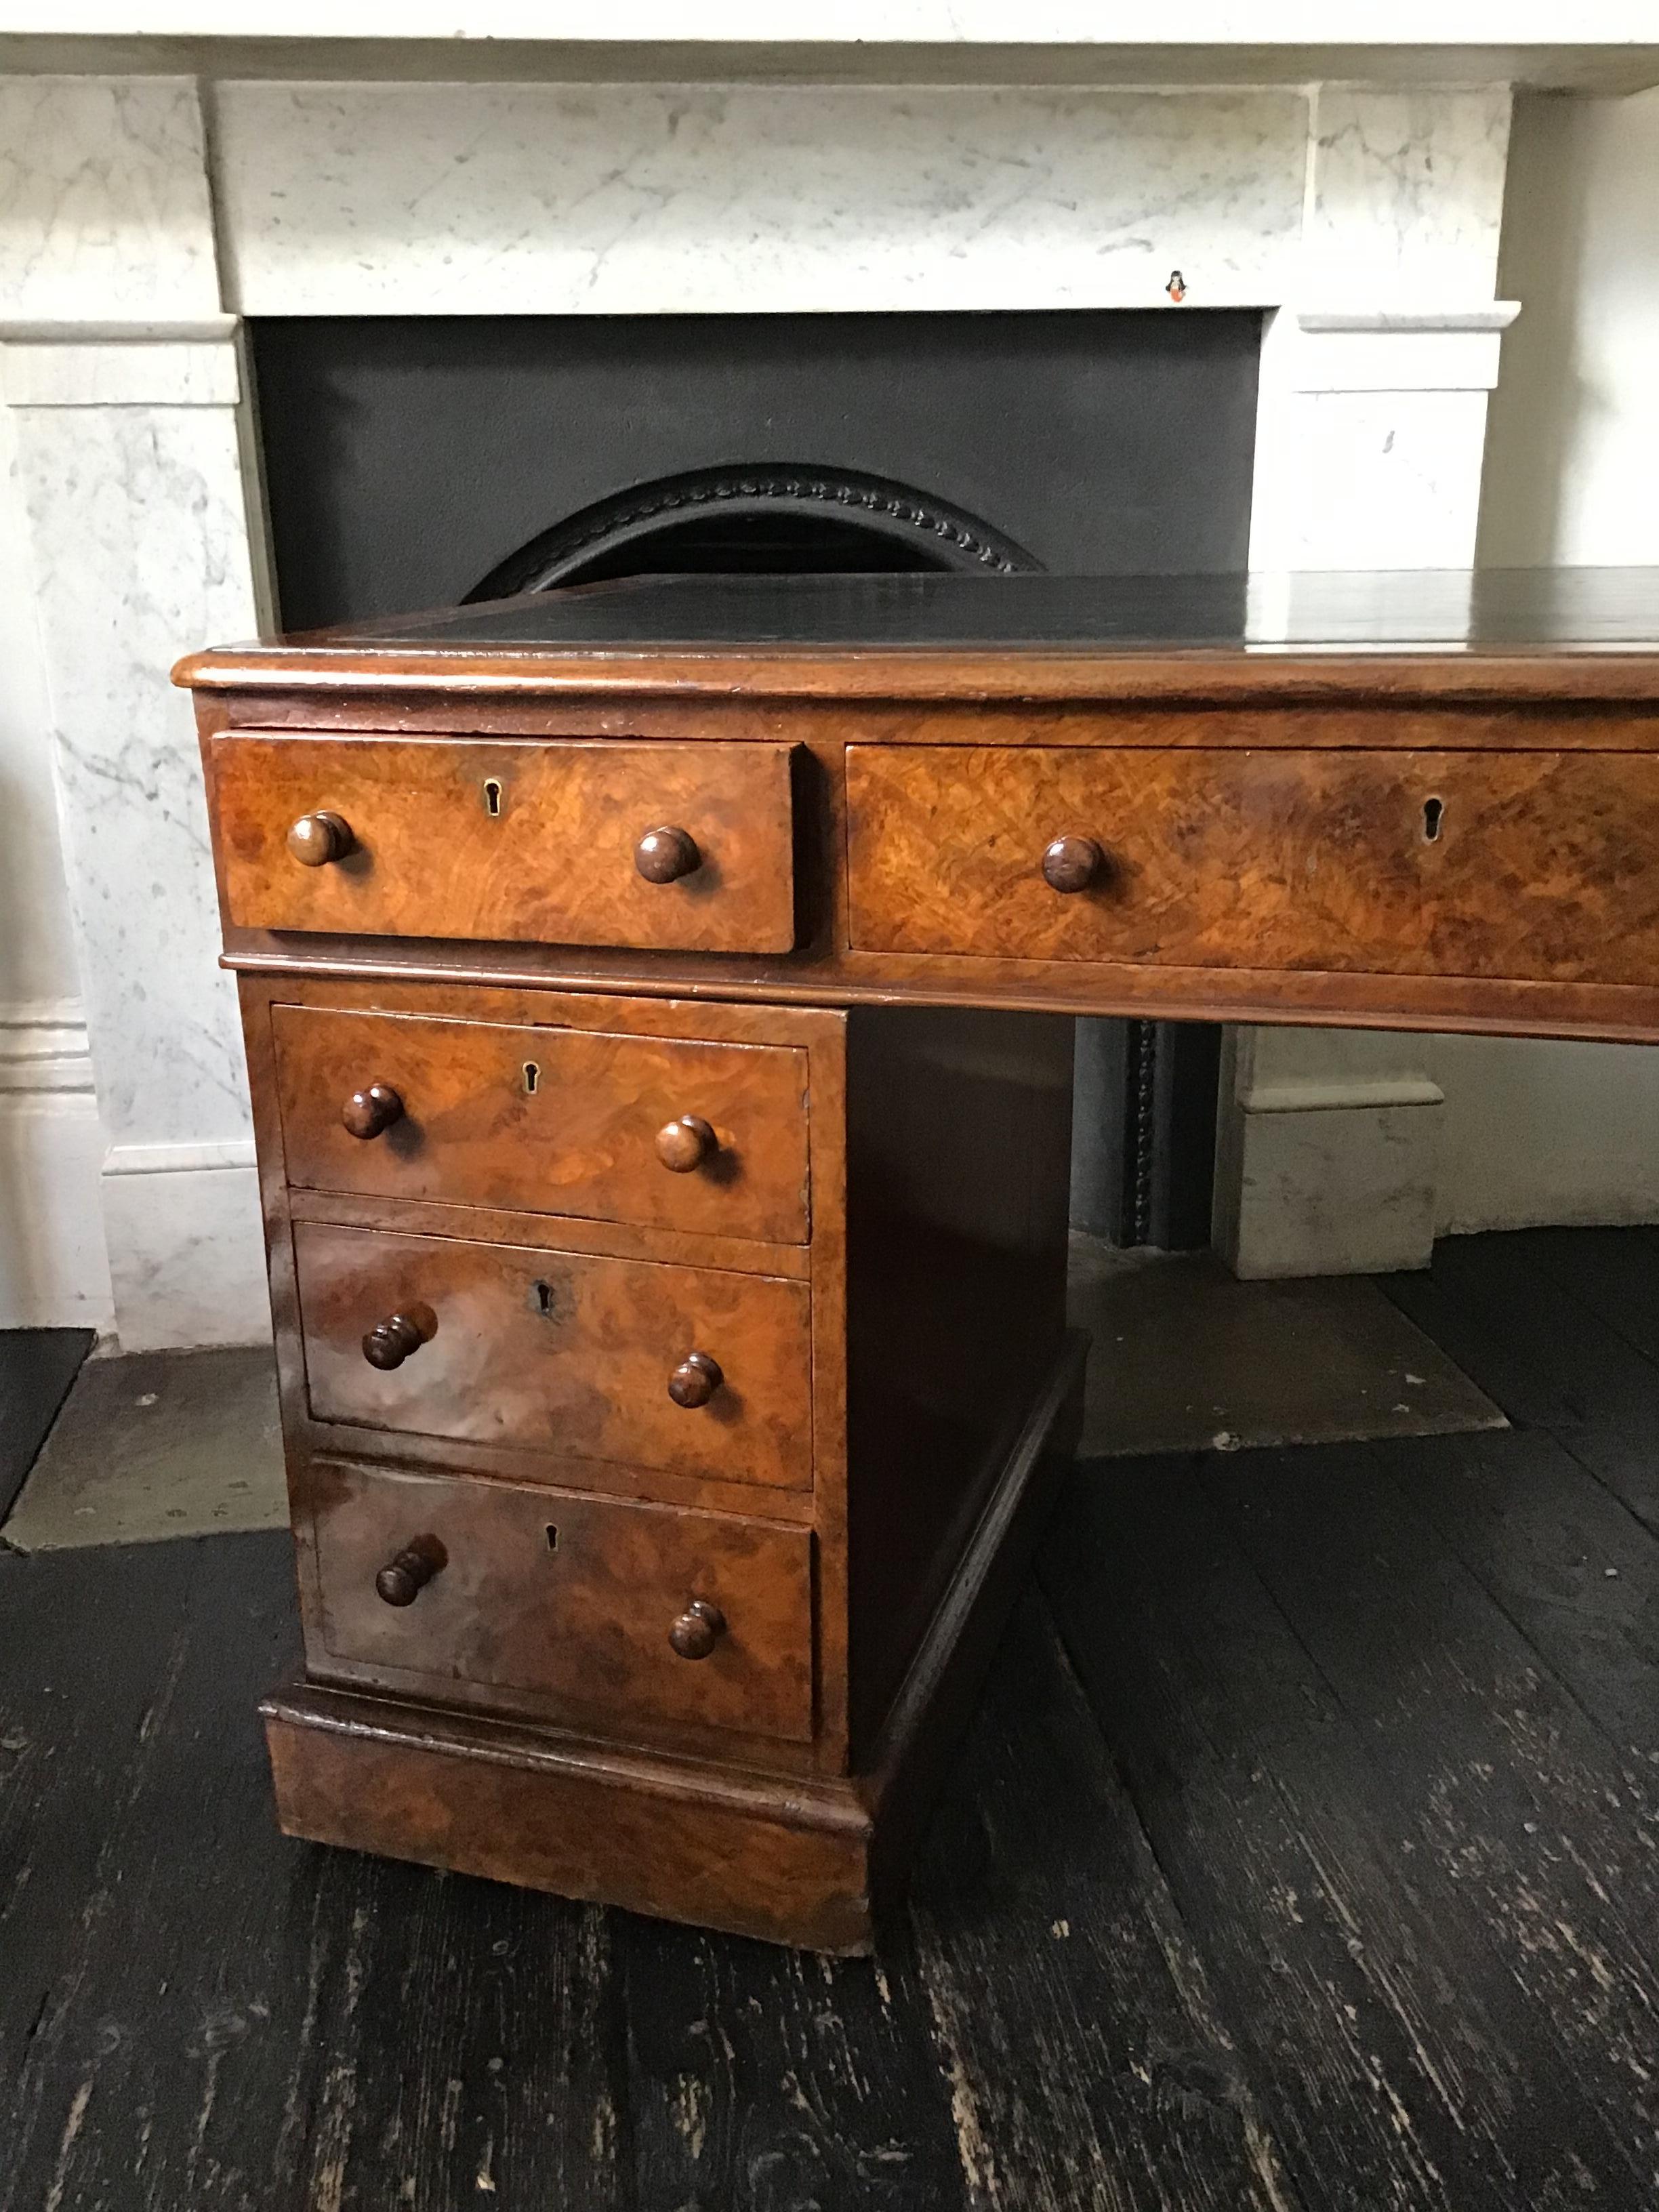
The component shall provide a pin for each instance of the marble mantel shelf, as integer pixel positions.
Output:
(1613, 47)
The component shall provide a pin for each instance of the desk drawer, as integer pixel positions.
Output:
(572, 1599)
(1533, 865)
(560, 1352)
(546, 1120)
(538, 842)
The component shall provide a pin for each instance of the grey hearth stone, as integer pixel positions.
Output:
(155, 1444)
(1184, 1358)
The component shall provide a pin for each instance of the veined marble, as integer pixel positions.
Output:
(141, 547)
(120, 373)
(104, 203)
(630, 199)
(186, 1255)
(1407, 194)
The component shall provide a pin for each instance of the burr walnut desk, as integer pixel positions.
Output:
(654, 1000)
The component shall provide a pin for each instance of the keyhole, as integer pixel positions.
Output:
(532, 1075)
(492, 791)
(1433, 813)
(552, 1537)
(541, 1299)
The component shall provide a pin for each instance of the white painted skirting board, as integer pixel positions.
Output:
(186, 1245)
(1326, 1154)
(43, 1048)
(182, 1220)
(53, 1270)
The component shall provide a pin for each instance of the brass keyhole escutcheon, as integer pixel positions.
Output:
(1434, 815)
(492, 797)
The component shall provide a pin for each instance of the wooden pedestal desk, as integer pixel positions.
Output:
(655, 1000)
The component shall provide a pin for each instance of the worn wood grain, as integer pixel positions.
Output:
(958, 1145)
(1557, 1326)
(742, 1846)
(548, 1119)
(1201, 679)
(1088, 2061)
(571, 1599)
(569, 1353)
(1499, 1778)
(1564, 1559)
(229, 2020)
(761, 2079)
(1532, 865)
(553, 859)
(1374, 2005)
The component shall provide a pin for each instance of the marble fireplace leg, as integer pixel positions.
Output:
(1370, 438)
(124, 383)
(130, 465)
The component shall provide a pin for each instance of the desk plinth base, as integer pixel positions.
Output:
(804, 1861)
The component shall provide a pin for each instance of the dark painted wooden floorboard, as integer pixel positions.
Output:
(1574, 1571)
(486, 2059)
(1088, 2062)
(1548, 1359)
(1558, 1326)
(1500, 1779)
(1612, 1272)
(1037, 2034)
(1613, 1275)
(1390, 2045)
(761, 2079)
(83, 1660)
(238, 2021)
(37, 1366)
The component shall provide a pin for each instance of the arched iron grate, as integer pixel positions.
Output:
(770, 518)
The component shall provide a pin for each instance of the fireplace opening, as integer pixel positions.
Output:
(413, 462)
(766, 519)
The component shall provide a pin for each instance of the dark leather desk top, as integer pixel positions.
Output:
(1487, 610)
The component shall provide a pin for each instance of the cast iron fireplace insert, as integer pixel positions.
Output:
(418, 461)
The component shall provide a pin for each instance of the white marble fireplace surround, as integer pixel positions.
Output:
(143, 216)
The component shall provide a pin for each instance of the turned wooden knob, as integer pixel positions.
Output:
(663, 856)
(390, 1342)
(686, 1143)
(1071, 863)
(695, 1380)
(316, 839)
(401, 1580)
(371, 1113)
(698, 1629)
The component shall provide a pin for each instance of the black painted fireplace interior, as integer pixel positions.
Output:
(415, 461)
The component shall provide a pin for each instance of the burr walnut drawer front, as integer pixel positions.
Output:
(620, 1608)
(607, 841)
(1530, 864)
(695, 1372)
(654, 1130)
